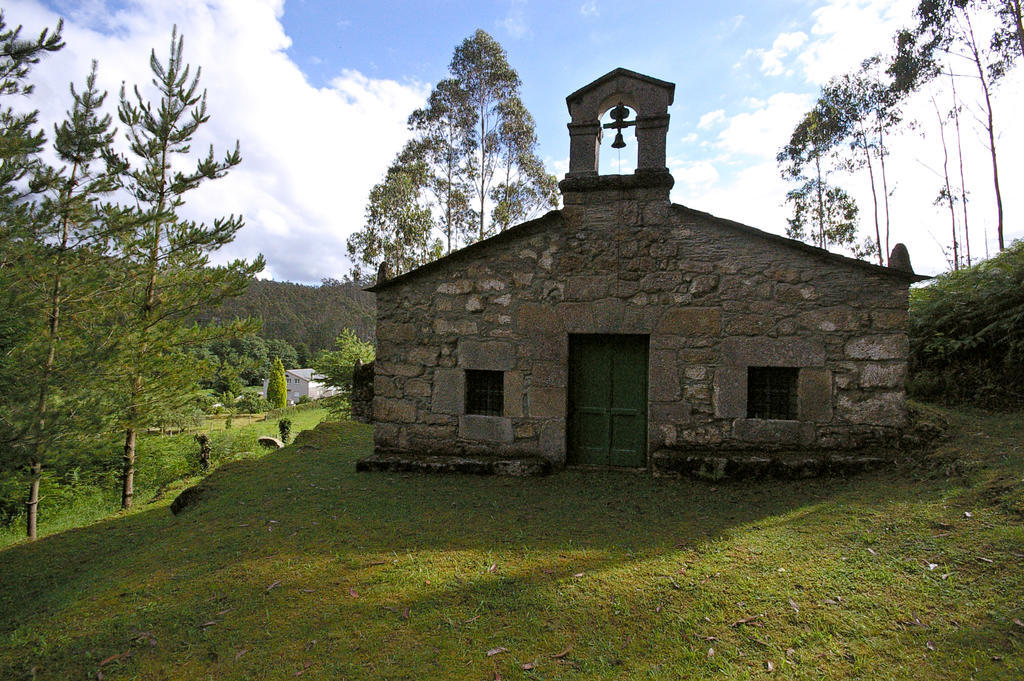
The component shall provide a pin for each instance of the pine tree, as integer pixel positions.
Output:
(277, 388)
(166, 258)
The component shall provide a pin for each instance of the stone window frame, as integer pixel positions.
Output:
(448, 392)
(815, 392)
(484, 397)
(765, 387)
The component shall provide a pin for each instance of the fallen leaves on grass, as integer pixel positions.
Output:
(983, 559)
(207, 624)
(494, 566)
(527, 666)
(305, 666)
(793, 605)
(243, 651)
(274, 585)
(752, 620)
(929, 645)
(768, 666)
(559, 656)
(116, 658)
(352, 592)
(495, 651)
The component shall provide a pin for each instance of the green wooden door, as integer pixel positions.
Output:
(608, 400)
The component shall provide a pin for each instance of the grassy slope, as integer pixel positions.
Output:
(163, 465)
(296, 564)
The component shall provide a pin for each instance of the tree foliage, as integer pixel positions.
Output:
(277, 387)
(967, 334)
(470, 170)
(169, 276)
(336, 365)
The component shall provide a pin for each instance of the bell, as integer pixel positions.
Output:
(619, 143)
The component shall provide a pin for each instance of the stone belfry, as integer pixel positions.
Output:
(643, 197)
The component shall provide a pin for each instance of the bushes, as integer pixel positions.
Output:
(967, 334)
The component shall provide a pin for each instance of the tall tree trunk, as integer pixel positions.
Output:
(31, 506)
(52, 331)
(989, 127)
(885, 186)
(949, 193)
(1014, 8)
(960, 154)
(128, 469)
(874, 198)
(822, 243)
(483, 175)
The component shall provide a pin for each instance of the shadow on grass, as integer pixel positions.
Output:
(297, 543)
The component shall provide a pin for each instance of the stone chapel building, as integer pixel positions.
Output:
(625, 330)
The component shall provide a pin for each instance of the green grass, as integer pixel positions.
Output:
(164, 464)
(296, 565)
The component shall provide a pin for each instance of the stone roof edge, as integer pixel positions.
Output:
(620, 71)
(910, 277)
(510, 233)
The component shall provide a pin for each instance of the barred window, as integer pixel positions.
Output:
(771, 392)
(485, 392)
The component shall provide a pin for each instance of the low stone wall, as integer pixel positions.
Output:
(362, 393)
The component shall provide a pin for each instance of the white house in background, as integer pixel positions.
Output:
(303, 382)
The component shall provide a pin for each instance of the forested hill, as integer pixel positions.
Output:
(300, 314)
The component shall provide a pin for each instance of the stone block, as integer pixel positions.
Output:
(893, 346)
(669, 412)
(460, 327)
(874, 408)
(398, 369)
(449, 391)
(814, 394)
(730, 394)
(551, 374)
(767, 431)
(425, 355)
(664, 375)
(889, 319)
(388, 410)
(889, 375)
(773, 352)
(417, 387)
(533, 319)
(690, 321)
(588, 287)
(552, 440)
(513, 393)
(489, 355)
(485, 428)
(396, 332)
(546, 402)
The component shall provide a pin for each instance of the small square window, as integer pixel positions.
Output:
(485, 392)
(771, 392)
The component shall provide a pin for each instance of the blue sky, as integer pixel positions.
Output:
(318, 94)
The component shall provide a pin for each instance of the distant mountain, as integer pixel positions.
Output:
(300, 314)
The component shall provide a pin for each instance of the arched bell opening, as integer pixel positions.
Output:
(619, 149)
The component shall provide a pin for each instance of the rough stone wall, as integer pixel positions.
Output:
(713, 297)
(361, 400)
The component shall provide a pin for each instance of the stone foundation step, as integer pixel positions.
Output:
(436, 463)
(789, 465)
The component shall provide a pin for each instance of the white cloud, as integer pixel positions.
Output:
(310, 155)
(589, 9)
(710, 118)
(785, 43)
(845, 32)
(763, 131)
(515, 20)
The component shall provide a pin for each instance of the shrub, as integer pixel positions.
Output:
(284, 427)
(967, 334)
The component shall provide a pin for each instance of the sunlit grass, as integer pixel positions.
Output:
(296, 564)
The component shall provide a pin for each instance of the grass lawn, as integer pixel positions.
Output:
(163, 464)
(294, 565)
